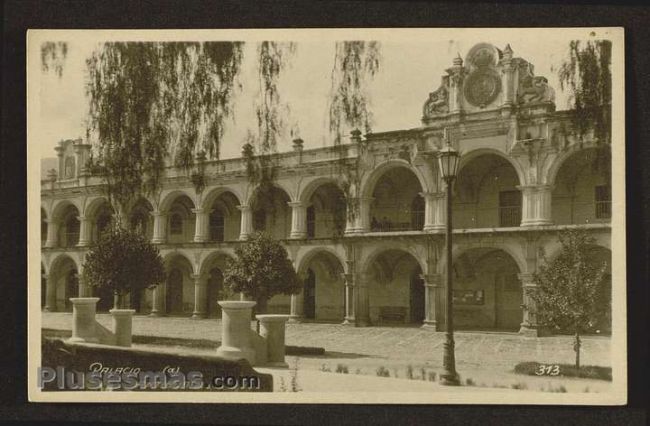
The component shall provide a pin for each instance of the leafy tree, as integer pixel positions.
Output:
(570, 290)
(586, 72)
(151, 101)
(53, 55)
(123, 261)
(261, 270)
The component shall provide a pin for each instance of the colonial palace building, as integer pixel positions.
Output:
(523, 176)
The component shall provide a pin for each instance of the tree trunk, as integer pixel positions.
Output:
(576, 348)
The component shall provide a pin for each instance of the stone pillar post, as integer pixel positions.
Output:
(201, 229)
(200, 297)
(362, 301)
(83, 319)
(50, 293)
(159, 227)
(85, 231)
(158, 301)
(348, 281)
(431, 296)
(52, 233)
(296, 308)
(272, 331)
(536, 205)
(529, 325)
(508, 80)
(298, 220)
(236, 331)
(434, 211)
(246, 221)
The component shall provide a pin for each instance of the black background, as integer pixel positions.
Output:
(21, 15)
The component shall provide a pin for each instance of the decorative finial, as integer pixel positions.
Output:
(458, 61)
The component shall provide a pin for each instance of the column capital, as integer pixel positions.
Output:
(81, 218)
(432, 280)
(535, 187)
(433, 195)
(158, 213)
(526, 278)
(199, 210)
(296, 204)
(244, 207)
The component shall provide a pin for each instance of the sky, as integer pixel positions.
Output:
(412, 65)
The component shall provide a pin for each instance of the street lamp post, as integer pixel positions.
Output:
(448, 160)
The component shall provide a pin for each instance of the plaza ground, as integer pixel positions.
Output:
(486, 359)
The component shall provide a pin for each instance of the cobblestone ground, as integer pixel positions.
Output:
(362, 350)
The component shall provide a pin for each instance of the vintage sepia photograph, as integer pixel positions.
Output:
(424, 216)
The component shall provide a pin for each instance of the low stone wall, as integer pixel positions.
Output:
(79, 357)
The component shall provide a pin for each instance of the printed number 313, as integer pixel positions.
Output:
(547, 370)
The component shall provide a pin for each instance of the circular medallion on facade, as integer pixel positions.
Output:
(482, 87)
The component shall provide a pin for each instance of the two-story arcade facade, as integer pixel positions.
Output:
(363, 222)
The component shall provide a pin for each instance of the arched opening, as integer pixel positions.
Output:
(181, 220)
(582, 191)
(179, 287)
(271, 212)
(43, 227)
(395, 195)
(225, 218)
(396, 289)
(309, 295)
(214, 293)
(486, 194)
(69, 229)
(65, 277)
(326, 212)
(140, 218)
(487, 291)
(323, 294)
(103, 217)
(212, 277)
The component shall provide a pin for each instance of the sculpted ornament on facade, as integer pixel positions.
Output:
(438, 102)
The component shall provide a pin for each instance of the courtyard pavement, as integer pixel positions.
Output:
(486, 358)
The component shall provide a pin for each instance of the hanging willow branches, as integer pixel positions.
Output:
(587, 74)
(151, 99)
(355, 65)
(53, 55)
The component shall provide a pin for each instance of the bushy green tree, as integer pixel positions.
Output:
(570, 290)
(123, 261)
(261, 270)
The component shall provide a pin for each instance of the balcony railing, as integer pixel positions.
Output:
(509, 216)
(399, 221)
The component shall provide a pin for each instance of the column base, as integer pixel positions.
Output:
(348, 321)
(294, 319)
(528, 330)
(430, 325)
(201, 240)
(536, 222)
(156, 314)
(449, 379)
(49, 309)
(433, 228)
(199, 315)
(298, 235)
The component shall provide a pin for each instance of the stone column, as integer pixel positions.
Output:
(536, 205)
(200, 297)
(159, 227)
(52, 233)
(348, 280)
(272, 331)
(363, 220)
(246, 221)
(201, 229)
(296, 308)
(298, 220)
(50, 293)
(83, 319)
(83, 290)
(529, 324)
(158, 301)
(431, 295)
(434, 211)
(362, 301)
(236, 331)
(85, 231)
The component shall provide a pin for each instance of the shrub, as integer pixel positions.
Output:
(432, 376)
(340, 368)
(409, 372)
(382, 372)
(470, 382)
(423, 374)
(519, 386)
(325, 368)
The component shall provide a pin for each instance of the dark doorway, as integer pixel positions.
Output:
(417, 298)
(136, 300)
(213, 293)
(309, 296)
(311, 222)
(174, 299)
(71, 288)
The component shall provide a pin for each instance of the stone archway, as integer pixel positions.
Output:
(179, 286)
(395, 195)
(63, 276)
(395, 288)
(488, 293)
(486, 193)
(271, 212)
